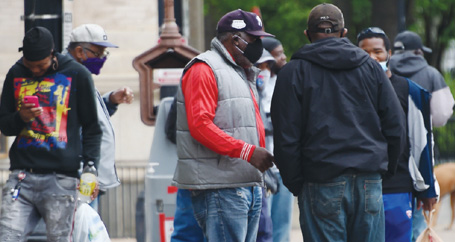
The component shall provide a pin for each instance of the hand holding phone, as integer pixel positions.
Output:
(32, 99)
(27, 112)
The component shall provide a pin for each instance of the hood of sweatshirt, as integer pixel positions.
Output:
(407, 63)
(333, 53)
(62, 60)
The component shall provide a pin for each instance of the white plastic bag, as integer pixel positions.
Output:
(428, 235)
(88, 226)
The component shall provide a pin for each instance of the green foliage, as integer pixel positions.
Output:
(360, 18)
(287, 18)
(287, 21)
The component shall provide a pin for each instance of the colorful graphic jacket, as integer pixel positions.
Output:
(52, 141)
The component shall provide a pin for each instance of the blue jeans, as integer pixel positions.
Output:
(265, 221)
(185, 225)
(230, 214)
(398, 217)
(94, 203)
(347, 208)
(280, 209)
(418, 221)
(50, 196)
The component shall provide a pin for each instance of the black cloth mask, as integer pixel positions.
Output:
(253, 51)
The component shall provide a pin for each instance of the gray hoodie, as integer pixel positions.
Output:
(416, 68)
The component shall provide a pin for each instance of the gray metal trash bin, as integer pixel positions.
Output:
(160, 195)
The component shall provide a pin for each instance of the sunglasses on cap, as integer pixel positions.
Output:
(371, 30)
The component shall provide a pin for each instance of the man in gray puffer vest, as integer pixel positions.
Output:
(220, 135)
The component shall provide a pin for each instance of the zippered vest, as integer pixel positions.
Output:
(199, 167)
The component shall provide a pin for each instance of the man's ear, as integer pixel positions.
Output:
(344, 32)
(79, 53)
(307, 35)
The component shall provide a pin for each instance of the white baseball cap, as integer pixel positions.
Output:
(266, 56)
(91, 33)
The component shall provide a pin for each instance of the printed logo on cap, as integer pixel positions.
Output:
(238, 24)
(259, 20)
(104, 37)
(324, 17)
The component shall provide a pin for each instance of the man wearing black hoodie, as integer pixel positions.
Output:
(415, 167)
(46, 154)
(338, 126)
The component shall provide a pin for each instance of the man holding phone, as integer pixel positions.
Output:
(47, 99)
(32, 99)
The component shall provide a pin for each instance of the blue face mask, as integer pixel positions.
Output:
(384, 65)
(94, 65)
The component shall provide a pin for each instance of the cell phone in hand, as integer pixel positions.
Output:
(32, 99)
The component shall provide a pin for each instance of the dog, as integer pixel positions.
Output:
(445, 174)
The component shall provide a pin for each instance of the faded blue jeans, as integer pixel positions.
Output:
(280, 208)
(230, 214)
(185, 225)
(347, 208)
(418, 221)
(265, 229)
(51, 196)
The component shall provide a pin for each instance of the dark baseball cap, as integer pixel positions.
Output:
(270, 43)
(408, 40)
(328, 13)
(239, 20)
(37, 44)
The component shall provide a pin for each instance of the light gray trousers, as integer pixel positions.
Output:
(50, 196)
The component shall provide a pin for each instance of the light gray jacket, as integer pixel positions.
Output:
(107, 173)
(199, 167)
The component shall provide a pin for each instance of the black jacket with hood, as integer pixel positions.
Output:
(334, 111)
(52, 142)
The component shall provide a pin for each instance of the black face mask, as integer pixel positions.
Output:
(253, 51)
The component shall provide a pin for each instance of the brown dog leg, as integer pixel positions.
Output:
(435, 214)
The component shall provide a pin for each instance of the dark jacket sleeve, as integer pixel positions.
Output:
(88, 117)
(11, 123)
(170, 127)
(111, 107)
(286, 112)
(393, 121)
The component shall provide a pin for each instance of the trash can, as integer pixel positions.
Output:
(160, 196)
(140, 218)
